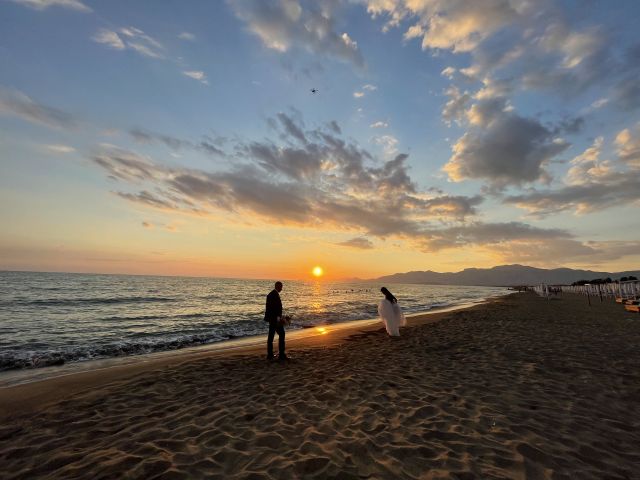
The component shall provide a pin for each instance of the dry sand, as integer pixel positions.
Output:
(521, 387)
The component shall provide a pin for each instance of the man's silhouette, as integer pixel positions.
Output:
(273, 315)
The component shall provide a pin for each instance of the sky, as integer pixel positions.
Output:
(185, 138)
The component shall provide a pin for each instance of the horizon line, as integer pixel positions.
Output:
(345, 279)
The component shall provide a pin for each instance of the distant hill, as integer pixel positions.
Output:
(504, 275)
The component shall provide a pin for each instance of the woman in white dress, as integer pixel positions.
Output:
(391, 314)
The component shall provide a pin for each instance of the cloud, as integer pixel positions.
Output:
(314, 178)
(245, 191)
(541, 51)
(415, 31)
(551, 252)
(575, 47)
(283, 25)
(206, 145)
(591, 184)
(365, 88)
(291, 129)
(143, 136)
(134, 39)
(613, 249)
(357, 242)
(389, 143)
(130, 38)
(187, 36)
(144, 50)
(628, 144)
(379, 124)
(502, 147)
(17, 104)
(210, 148)
(587, 166)
(76, 5)
(455, 25)
(568, 61)
(510, 50)
(535, 46)
(295, 163)
(544, 252)
(57, 148)
(197, 75)
(447, 206)
(335, 128)
(448, 72)
(601, 102)
(626, 93)
(615, 190)
(456, 107)
(570, 125)
(148, 225)
(109, 38)
(147, 198)
(121, 164)
(513, 152)
(488, 234)
(522, 243)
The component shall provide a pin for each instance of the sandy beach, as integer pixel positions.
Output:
(520, 387)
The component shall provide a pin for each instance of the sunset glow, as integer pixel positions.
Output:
(317, 271)
(404, 136)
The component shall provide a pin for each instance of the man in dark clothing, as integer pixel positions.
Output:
(273, 315)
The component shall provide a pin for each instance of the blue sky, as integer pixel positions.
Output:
(160, 137)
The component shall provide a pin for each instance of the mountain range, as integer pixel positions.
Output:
(503, 275)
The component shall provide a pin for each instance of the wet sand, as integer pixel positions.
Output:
(521, 387)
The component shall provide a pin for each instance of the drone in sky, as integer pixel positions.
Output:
(314, 90)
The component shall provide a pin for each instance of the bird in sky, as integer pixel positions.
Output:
(313, 90)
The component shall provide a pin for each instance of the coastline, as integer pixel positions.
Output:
(24, 391)
(114, 316)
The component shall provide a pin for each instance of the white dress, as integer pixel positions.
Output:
(392, 317)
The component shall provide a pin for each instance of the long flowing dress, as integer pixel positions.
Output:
(392, 317)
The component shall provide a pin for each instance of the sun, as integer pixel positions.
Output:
(317, 271)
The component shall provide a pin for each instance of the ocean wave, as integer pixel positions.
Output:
(30, 360)
(440, 305)
(158, 317)
(61, 302)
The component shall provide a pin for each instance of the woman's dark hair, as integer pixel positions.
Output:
(389, 296)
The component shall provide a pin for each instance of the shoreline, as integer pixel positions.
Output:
(25, 391)
(59, 332)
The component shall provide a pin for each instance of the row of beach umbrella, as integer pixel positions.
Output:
(626, 293)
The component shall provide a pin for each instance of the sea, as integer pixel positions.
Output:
(58, 318)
